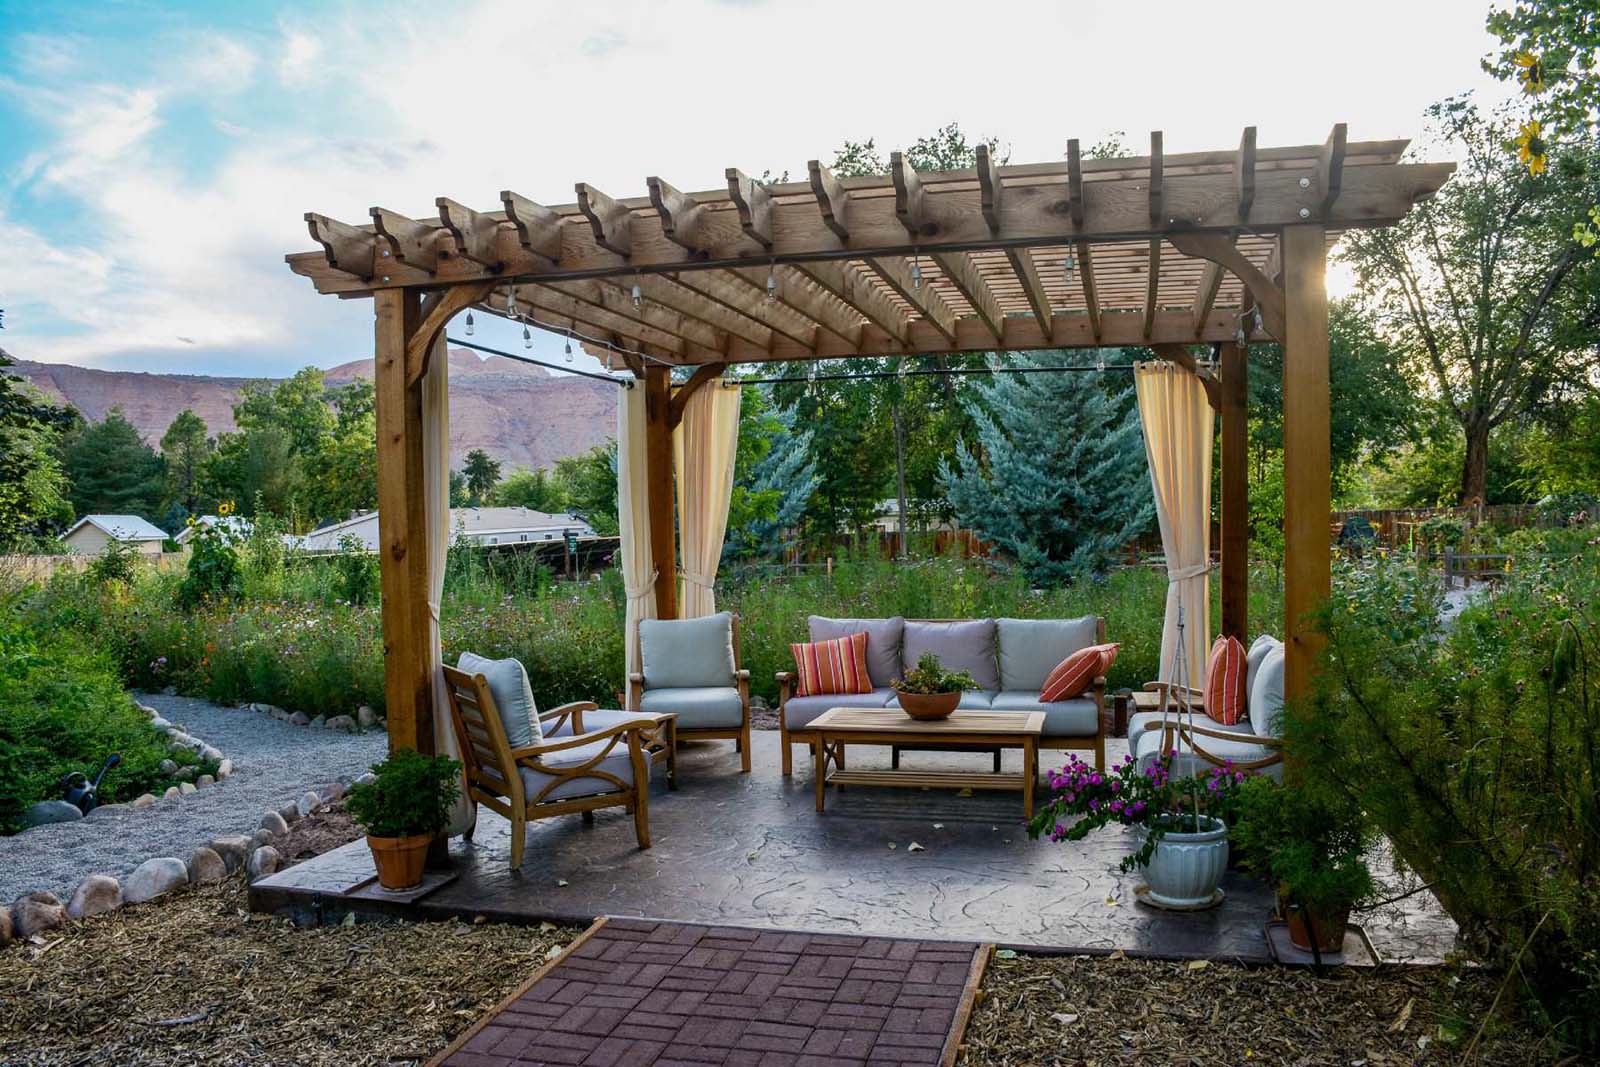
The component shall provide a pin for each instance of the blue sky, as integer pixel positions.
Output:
(156, 158)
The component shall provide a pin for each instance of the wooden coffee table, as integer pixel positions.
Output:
(838, 727)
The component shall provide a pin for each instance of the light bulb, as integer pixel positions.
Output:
(811, 372)
(1069, 264)
(569, 348)
(527, 337)
(638, 296)
(1239, 336)
(511, 303)
(902, 370)
(1100, 361)
(772, 284)
(1257, 318)
(916, 273)
(469, 324)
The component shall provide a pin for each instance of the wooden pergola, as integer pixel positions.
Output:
(1221, 249)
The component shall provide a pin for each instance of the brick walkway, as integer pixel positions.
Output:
(632, 992)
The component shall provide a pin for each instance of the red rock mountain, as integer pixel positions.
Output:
(522, 415)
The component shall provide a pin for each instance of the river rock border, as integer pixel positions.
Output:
(364, 719)
(255, 854)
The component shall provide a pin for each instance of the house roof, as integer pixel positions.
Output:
(478, 520)
(236, 526)
(121, 527)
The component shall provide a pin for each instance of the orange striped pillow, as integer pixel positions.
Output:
(1225, 673)
(836, 666)
(1073, 675)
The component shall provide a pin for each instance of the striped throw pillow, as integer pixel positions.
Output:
(1073, 675)
(836, 666)
(1225, 674)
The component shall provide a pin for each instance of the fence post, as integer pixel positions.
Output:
(1449, 567)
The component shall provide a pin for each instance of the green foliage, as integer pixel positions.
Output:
(588, 485)
(1564, 37)
(1057, 477)
(773, 478)
(411, 794)
(1311, 843)
(186, 449)
(213, 572)
(112, 470)
(929, 677)
(358, 571)
(523, 488)
(1473, 749)
(33, 484)
(482, 473)
(115, 564)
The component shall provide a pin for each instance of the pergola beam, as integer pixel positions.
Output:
(844, 281)
(1244, 173)
(1027, 273)
(1091, 298)
(915, 290)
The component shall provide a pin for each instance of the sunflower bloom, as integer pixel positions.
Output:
(1531, 72)
(1531, 147)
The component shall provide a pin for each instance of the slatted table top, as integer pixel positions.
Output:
(893, 720)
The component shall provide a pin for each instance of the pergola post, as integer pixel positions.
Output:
(1307, 477)
(658, 479)
(402, 525)
(1235, 510)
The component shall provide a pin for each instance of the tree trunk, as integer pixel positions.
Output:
(1475, 469)
(900, 470)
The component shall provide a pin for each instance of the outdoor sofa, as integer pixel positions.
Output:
(1254, 743)
(1008, 658)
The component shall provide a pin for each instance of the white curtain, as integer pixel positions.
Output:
(436, 497)
(633, 519)
(1177, 423)
(703, 448)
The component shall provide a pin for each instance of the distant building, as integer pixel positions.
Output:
(483, 526)
(90, 535)
(237, 528)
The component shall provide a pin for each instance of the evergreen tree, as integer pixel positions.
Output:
(187, 450)
(774, 475)
(482, 474)
(1058, 477)
(33, 486)
(112, 470)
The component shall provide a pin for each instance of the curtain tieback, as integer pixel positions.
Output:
(703, 581)
(1184, 573)
(635, 592)
(433, 609)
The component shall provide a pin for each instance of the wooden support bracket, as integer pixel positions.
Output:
(452, 300)
(611, 222)
(702, 377)
(1218, 249)
(348, 248)
(1181, 355)
(754, 203)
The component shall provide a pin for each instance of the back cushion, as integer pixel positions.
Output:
(883, 642)
(513, 696)
(836, 666)
(1225, 681)
(1266, 697)
(685, 653)
(1253, 659)
(1031, 648)
(1073, 675)
(960, 646)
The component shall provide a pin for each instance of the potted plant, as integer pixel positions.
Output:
(1183, 849)
(405, 806)
(1314, 846)
(928, 691)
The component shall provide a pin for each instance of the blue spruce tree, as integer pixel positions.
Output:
(773, 481)
(1058, 478)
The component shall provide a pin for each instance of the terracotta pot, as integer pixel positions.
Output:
(399, 859)
(1329, 926)
(928, 705)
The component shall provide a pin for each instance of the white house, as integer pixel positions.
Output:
(90, 535)
(236, 527)
(483, 526)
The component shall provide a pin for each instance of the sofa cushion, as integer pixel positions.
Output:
(1266, 699)
(883, 642)
(513, 696)
(1078, 717)
(837, 665)
(799, 711)
(1259, 648)
(617, 762)
(960, 646)
(971, 700)
(1074, 675)
(707, 707)
(1029, 649)
(1186, 763)
(679, 653)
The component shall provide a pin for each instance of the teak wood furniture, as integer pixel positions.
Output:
(570, 774)
(739, 734)
(834, 730)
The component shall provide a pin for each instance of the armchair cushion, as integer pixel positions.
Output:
(702, 707)
(960, 646)
(596, 719)
(1031, 648)
(1078, 717)
(883, 642)
(1186, 763)
(513, 696)
(799, 711)
(687, 653)
(1260, 648)
(1141, 721)
(617, 762)
(1266, 699)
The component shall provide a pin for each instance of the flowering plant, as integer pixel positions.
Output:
(1152, 798)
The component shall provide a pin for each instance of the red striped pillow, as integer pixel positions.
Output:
(836, 666)
(1073, 675)
(1225, 673)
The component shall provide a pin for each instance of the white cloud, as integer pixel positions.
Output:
(301, 57)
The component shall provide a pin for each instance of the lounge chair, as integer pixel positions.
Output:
(690, 668)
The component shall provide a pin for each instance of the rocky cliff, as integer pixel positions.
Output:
(522, 415)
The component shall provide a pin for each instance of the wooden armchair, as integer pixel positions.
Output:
(694, 684)
(580, 772)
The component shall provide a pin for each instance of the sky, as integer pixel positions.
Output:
(157, 159)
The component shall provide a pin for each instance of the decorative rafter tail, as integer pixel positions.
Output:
(476, 236)
(538, 228)
(682, 218)
(416, 244)
(348, 248)
(1330, 166)
(1244, 173)
(611, 222)
(754, 204)
(832, 199)
(1157, 182)
(988, 187)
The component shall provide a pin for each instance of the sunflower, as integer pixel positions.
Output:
(1532, 73)
(1531, 147)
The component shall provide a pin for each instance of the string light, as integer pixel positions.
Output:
(902, 369)
(527, 336)
(1069, 265)
(1100, 360)
(569, 347)
(470, 326)
(916, 270)
(511, 302)
(811, 372)
(772, 282)
(638, 294)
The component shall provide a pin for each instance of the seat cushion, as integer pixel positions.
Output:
(706, 707)
(1266, 699)
(1186, 763)
(617, 762)
(1078, 717)
(685, 653)
(971, 700)
(597, 719)
(799, 711)
(513, 696)
(960, 646)
(1029, 649)
(883, 642)
(1140, 721)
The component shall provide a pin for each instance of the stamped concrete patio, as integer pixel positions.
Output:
(751, 850)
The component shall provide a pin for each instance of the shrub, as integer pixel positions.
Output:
(115, 564)
(357, 569)
(410, 794)
(213, 571)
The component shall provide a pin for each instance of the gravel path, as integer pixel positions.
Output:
(274, 763)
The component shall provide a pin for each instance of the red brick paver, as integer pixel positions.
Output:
(637, 992)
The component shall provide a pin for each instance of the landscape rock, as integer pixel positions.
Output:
(274, 824)
(36, 913)
(331, 792)
(209, 752)
(159, 723)
(279, 714)
(144, 800)
(168, 768)
(185, 788)
(154, 877)
(5, 927)
(50, 811)
(344, 723)
(147, 709)
(300, 718)
(366, 716)
(259, 838)
(320, 721)
(206, 867)
(187, 774)
(290, 813)
(263, 861)
(224, 769)
(103, 810)
(170, 691)
(309, 802)
(366, 779)
(95, 895)
(234, 850)
(171, 792)
(205, 780)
